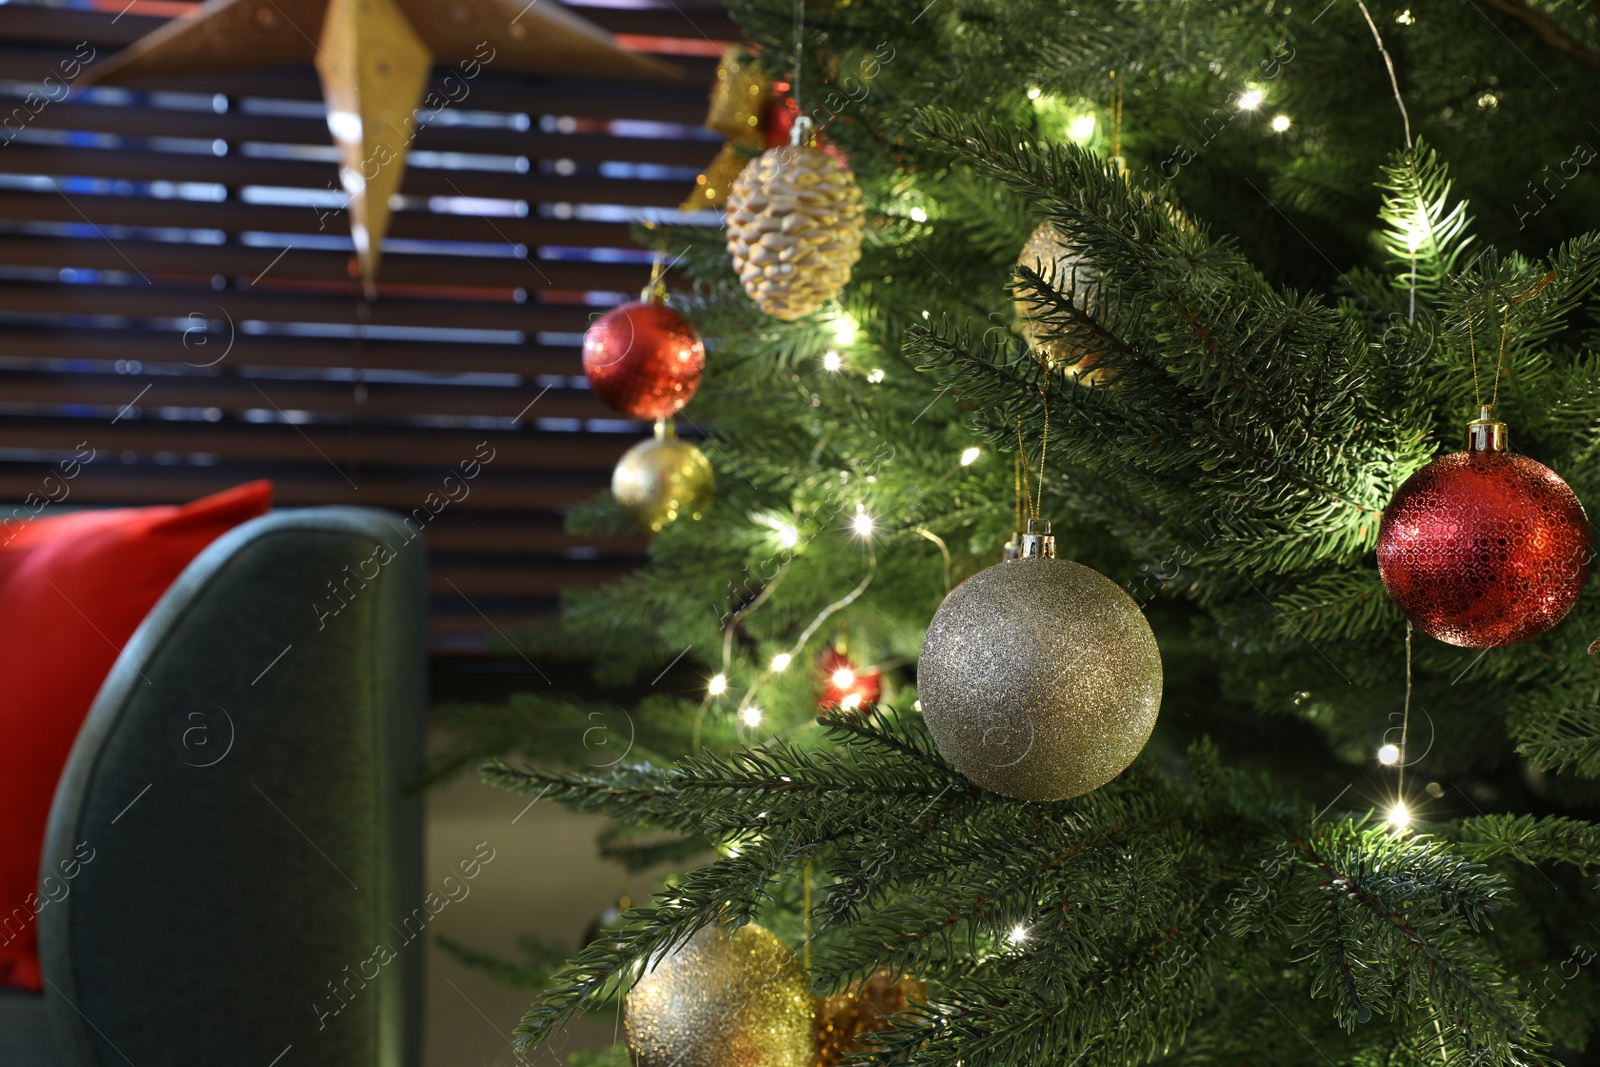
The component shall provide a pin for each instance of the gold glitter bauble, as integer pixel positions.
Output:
(721, 1000)
(1039, 679)
(661, 478)
(794, 229)
(1061, 265)
(864, 1008)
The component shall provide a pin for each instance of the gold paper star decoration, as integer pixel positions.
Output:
(373, 58)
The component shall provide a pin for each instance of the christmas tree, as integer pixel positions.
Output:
(1280, 258)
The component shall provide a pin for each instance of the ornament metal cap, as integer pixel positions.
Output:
(666, 430)
(1037, 542)
(1486, 433)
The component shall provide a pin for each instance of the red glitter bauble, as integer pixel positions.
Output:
(644, 359)
(1483, 548)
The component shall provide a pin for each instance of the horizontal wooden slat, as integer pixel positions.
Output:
(162, 301)
(64, 27)
(383, 399)
(238, 126)
(183, 214)
(165, 259)
(532, 579)
(130, 484)
(269, 442)
(235, 170)
(682, 102)
(528, 533)
(158, 347)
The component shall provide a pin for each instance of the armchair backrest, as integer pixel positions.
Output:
(231, 849)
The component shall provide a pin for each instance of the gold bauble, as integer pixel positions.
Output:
(661, 478)
(863, 1008)
(1039, 679)
(1062, 266)
(794, 229)
(722, 1000)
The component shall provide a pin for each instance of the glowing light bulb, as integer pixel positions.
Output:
(970, 456)
(832, 361)
(781, 661)
(1399, 815)
(751, 716)
(1250, 100)
(844, 678)
(1389, 755)
(733, 851)
(1035, 93)
(1280, 123)
(1019, 934)
(851, 702)
(1081, 128)
(718, 685)
(1405, 18)
(876, 376)
(862, 524)
(788, 536)
(844, 330)
(918, 215)
(1416, 233)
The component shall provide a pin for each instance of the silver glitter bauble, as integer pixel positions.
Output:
(1039, 679)
(722, 1000)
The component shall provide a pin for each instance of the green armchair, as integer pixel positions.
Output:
(232, 856)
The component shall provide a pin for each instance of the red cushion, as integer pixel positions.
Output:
(73, 588)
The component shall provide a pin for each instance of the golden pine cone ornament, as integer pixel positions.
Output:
(794, 229)
(1065, 267)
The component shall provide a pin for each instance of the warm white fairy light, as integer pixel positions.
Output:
(970, 456)
(788, 536)
(875, 376)
(844, 330)
(862, 524)
(717, 685)
(851, 702)
(1416, 232)
(1251, 99)
(1405, 18)
(1280, 123)
(832, 361)
(918, 215)
(1081, 128)
(781, 661)
(844, 678)
(1399, 815)
(1389, 755)
(1019, 934)
(751, 716)
(1035, 93)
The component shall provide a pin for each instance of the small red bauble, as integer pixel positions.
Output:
(1484, 548)
(644, 359)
